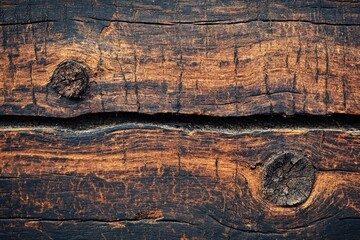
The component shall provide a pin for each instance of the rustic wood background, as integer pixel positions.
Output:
(223, 58)
(183, 112)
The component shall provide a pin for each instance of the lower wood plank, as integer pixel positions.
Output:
(21, 229)
(146, 181)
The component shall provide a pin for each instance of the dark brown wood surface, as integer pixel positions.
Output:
(222, 58)
(150, 119)
(144, 181)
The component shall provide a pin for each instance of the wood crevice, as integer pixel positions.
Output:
(108, 220)
(216, 22)
(186, 122)
(242, 230)
(200, 23)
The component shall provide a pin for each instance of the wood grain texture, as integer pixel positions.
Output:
(221, 58)
(144, 181)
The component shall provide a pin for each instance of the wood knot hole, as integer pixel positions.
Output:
(288, 179)
(70, 79)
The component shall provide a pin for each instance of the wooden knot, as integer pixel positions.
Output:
(288, 179)
(70, 79)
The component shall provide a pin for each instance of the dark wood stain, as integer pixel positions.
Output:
(216, 194)
(141, 49)
(151, 139)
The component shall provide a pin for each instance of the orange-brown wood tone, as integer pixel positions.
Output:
(191, 119)
(145, 181)
(223, 58)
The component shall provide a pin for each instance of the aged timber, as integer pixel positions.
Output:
(222, 58)
(126, 119)
(160, 181)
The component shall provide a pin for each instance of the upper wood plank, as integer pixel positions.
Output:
(221, 58)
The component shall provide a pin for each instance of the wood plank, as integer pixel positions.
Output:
(158, 181)
(221, 58)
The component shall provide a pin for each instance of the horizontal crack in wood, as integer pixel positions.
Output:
(186, 122)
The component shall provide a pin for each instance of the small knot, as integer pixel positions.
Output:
(70, 79)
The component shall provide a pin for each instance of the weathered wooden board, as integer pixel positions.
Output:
(223, 58)
(148, 179)
(144, 181)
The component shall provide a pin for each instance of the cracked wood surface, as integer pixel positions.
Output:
(146, 181)
(221, 58)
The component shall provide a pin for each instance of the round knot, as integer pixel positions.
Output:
(69, 79)
(287, 179)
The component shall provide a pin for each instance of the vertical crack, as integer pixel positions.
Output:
(135, 57)
(179, 86)
(327, 97)
(33, 88)
(236, 64)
